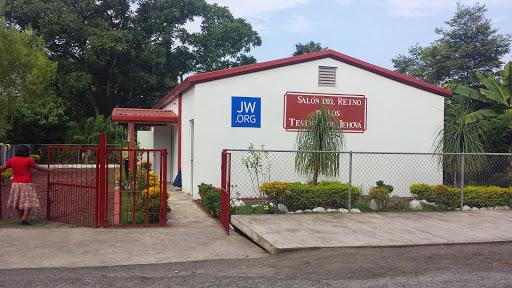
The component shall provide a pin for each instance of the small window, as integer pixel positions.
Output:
(327, 76)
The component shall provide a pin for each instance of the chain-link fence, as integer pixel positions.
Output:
(257, 177)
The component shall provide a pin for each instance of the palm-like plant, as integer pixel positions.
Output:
(497, 94)
(460, 136)
(320, 131)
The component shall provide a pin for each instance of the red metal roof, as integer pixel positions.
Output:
(144, 116)
(220, 74)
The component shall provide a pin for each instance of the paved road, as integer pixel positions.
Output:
(471, 265)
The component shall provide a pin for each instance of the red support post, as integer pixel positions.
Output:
(48, 188)
(1, 152)
(225, 191)
(164, 180)
(103, 178)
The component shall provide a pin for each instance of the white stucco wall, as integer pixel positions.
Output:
(400, 118)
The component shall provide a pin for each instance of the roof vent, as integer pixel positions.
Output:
(327, 76)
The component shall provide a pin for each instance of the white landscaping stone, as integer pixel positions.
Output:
(498, 208)
(424, 201)
(343, 210)
(506, 208)
(490, 208)
(355, 210)
(237, 203)
(307, 211)
(475, 209)
(415, 205)
(298, 211)
(483, 209)
(331, 210)
(319, 210)
(290, 212)
(457, 209)
(373, 205)
(282, 208)
(466, 208)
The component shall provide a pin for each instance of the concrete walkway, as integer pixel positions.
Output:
(278, 233)
(190, 235)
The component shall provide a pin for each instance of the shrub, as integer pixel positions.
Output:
(7, 175)
(326, 194)
(210, 199)
(145, 164)
(276, 191)
(381, 196)
(380, 184)
(440, 195)
(421, 191)
(35, 157)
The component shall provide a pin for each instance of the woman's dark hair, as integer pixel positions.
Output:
(22, 151)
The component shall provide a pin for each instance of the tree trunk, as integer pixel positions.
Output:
(93, 102)
(315, 177)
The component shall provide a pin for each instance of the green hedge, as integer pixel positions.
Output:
(474, 196)
(210, 199)
(326, 195)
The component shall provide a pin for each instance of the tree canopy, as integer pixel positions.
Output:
(308, 48)
(470, 42)
(110, 56)
(26, 76)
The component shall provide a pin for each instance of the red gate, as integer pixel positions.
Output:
(91, 186)
(225, 191)
(73, 187)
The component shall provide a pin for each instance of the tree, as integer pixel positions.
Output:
(320, 131)
(459, 136)
(26, 76)
(469, 43)
(498, 94)
(110, 56)
(309, 47)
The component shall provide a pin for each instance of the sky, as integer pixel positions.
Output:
(374, 31)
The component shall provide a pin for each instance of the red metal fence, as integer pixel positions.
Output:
(73, 186)
(0, 191)
(225, 194)
(93, 187)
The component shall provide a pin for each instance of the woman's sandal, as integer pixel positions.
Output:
(23, 222)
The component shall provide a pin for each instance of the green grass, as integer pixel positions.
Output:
(363, 204)
(249, 209)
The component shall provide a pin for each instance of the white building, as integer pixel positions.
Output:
(383, 111)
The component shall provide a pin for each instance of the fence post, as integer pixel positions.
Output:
(225, 193)
(462, 182)
(164, 176)
(2, 152)
(350, 181)
(101, 206)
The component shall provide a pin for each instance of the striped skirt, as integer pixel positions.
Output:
(23, 196)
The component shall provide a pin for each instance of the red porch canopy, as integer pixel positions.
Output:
(143, 117)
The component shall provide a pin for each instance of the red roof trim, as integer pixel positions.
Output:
(149, 116)
(220, 74)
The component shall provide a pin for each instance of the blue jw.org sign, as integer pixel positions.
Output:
(246, 112)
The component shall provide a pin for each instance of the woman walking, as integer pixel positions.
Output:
(23, 195)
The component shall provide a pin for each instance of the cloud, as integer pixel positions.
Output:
(298, 24)
(252, 8)
(426, 8)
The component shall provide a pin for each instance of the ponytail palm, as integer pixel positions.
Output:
(320, 131)
(460, 136)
